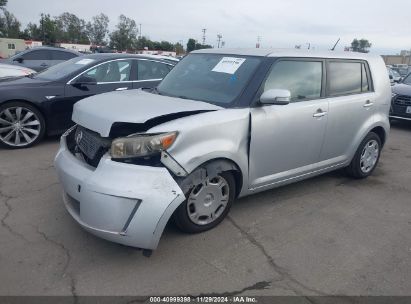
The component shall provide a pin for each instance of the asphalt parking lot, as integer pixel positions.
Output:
(329, 235)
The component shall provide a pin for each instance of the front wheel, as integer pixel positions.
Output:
(21, 125)
(207, 204)
(366, 158)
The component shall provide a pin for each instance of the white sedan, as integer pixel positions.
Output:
(8, 70)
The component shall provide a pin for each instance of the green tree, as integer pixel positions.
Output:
(3, 4)
(98, 29)
(362, 45)
(49, 30)
(125, 36)
(9, 25)
(191, 45)
(71, 29)
(179, 49)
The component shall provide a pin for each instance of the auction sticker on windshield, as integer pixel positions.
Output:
(228, 65)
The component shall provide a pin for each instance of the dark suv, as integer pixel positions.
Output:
(41, 58)
(401, 100)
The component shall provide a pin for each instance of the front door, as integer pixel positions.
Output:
(107, 77)
(286, 140)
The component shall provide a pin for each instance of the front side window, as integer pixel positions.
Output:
(114, 71)
(302, 78)
(346, 78)
(147, 69)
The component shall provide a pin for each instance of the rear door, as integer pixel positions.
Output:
(286, 140)
(351, 104)
(149, 73)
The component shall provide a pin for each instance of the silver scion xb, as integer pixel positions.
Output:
(221, 125)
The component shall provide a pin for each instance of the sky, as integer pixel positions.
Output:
(282, 24)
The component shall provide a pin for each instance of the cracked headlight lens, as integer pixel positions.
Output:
(141, 145)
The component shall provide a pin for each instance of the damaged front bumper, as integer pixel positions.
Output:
(123, 203)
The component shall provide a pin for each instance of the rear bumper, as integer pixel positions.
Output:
(123, 203)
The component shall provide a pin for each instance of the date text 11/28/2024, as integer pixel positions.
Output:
(204, 299)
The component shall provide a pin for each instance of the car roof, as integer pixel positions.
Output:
(106, 56)
(50, 48)
(286, 53)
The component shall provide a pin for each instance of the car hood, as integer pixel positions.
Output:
(98, 113)
(402, 89)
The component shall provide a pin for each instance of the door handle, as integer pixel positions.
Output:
(319, 113)
(368, 104)
(44, 65)
(121, 89)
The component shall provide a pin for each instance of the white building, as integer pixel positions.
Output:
(85, 48)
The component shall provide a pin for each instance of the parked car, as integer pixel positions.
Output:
(222, 124)
(41, 58)
(403, 71)
(395, 77)
(8, 70)
(401, 100)
(33, 106)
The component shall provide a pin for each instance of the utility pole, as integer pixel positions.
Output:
(258, 45)
(42, 28)
(219, 36)
(204, 35)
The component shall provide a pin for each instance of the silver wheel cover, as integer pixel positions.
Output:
(208, 200)
(369, 156)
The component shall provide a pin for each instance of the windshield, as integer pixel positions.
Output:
(212, 78)
(64, 69)
(407, 80)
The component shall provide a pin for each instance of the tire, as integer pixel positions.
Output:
(184, 216)
(362, 165)
(22, 120)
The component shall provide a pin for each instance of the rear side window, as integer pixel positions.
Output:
(302, 78)
(37, 55)
(147, 69)
(346, 78)
(60, 55)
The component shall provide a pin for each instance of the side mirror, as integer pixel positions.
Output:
(19, 59)
(391, 77)
(276, 97)
(85, 80)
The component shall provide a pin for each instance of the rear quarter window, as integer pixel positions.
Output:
(345, 78)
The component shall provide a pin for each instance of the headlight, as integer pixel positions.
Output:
(141, 145)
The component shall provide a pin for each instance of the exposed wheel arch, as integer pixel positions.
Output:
(381, 134)
(211, 168)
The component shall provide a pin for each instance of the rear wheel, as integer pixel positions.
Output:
(21, 125)
(207, 204)
(366, 158)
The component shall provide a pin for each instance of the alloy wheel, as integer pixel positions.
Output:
(19, 126)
